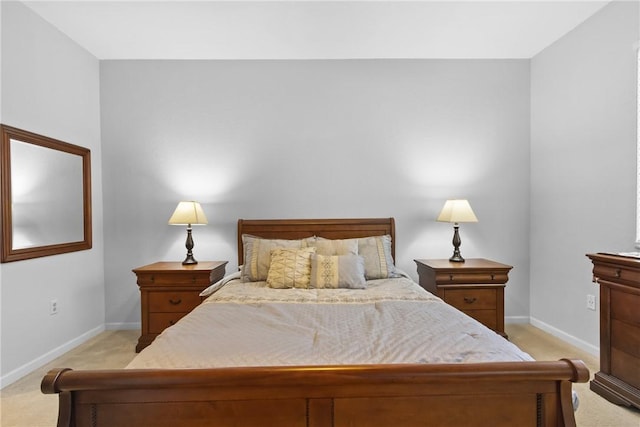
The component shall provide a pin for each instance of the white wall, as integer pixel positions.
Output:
(50, 86)
(259, 139)
(278, 139)
(583, 166)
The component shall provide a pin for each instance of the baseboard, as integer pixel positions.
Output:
(523, 320)
(119, 326)
(38, 362)
(576, 342)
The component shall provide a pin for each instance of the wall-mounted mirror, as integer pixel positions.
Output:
(45, 195)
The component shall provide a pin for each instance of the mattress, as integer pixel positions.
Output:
(391, 321)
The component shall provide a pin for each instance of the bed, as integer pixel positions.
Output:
(325, 353)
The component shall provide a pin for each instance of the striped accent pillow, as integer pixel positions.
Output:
(378, 262)
(337, 271)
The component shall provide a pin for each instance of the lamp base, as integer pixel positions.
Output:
(189, 260)
(456, 257)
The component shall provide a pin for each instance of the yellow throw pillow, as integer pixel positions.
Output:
(290, 268)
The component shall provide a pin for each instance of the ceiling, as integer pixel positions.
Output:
(144, 29)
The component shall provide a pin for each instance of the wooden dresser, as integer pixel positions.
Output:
(619, 377)
(169, 290)
(475, 287)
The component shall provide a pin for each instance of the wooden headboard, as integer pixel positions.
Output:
(327, 228)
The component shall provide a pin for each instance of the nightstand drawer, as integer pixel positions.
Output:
(486, 317)
(624, 307)
(172, 279)
(615, 273)
(444, 278)
(173, 301)
(158, 322)
(471, 299)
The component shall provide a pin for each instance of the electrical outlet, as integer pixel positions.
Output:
(591, 302)
(53, 307)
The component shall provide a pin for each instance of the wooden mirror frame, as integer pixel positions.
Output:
(7, 252)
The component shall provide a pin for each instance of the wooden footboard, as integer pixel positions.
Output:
(487, 394)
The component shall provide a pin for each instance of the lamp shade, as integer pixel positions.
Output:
(457, 211)
(188, 213)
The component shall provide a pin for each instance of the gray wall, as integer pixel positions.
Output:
(282, 139)
(583, 165)
(328, 139)
(50, 86)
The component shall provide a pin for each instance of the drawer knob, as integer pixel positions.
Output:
(451, 277)
(175, 301)
(470, 300)
(153, 278)
(618, 273)
(493, 277)
(193, 279)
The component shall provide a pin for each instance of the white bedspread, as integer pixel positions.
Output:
(393, 321)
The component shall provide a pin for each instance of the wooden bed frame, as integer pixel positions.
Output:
(403, 395)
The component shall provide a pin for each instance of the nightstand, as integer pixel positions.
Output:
(170, 290)
(475, 287)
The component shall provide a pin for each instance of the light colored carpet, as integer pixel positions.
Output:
(23, 405)
(594, 411)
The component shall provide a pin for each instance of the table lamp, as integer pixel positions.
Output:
(456, 211)
(188, 213)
